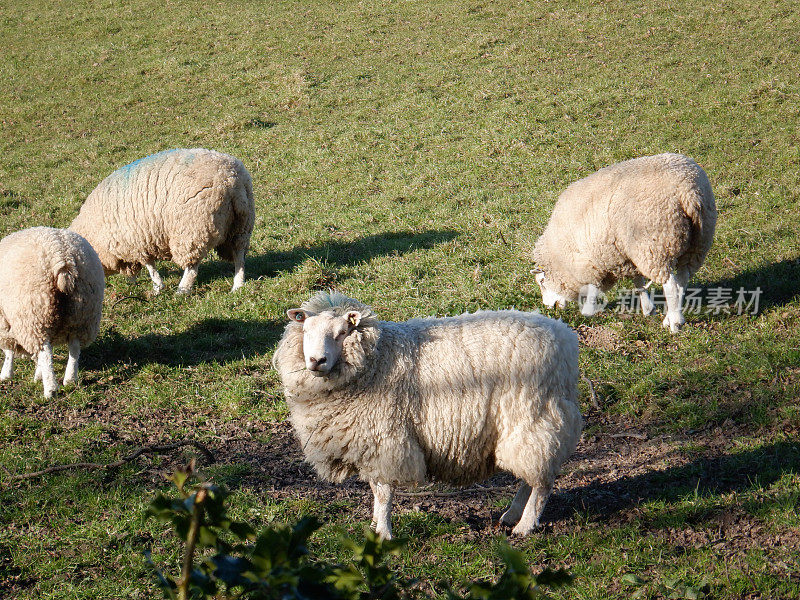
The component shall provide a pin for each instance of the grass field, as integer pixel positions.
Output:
(408, 154)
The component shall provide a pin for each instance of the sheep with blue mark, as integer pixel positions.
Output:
(175, 205)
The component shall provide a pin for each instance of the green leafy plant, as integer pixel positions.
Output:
(226, 559)
(516, 583)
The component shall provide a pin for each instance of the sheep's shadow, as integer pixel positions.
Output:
(333, 253)
(209, 340)
(779, 283)
(704, 477)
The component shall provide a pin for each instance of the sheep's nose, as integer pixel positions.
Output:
(316, 362)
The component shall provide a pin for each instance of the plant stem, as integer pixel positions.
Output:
(191, 541)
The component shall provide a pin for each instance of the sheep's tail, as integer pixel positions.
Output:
(701, 209)
(66, 275)
(243, 205)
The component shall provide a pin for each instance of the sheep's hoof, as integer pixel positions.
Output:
(183, 291)
(523, 530)
(157, 289)
(647, 309)
(673, 321)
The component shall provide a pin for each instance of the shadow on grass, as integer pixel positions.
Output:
(702, 478)
(209, 340)
(334, 253)
(779, 282)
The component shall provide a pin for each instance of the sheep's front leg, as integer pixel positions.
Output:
(187, 281)
(589, 307)
(8, 365)
(158, 283)
(514, 512)
(381, 515)
(45, 370)
(674, 290)
(644, 298)
(238, 268)
(533, 510)
(71, 372)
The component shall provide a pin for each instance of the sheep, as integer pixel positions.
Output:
(448, 399)
(175, 205)
(651, 217)
(51, 291)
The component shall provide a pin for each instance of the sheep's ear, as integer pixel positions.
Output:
(296, 314)
(353, 318)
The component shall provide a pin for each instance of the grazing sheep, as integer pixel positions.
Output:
(51, 291)
(448, 399)
(175, 205)
(651, 217)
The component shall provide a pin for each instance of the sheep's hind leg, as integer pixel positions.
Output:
(158, 283)
(45, 369)
(382, 512)
(533, 510)
(8, 365)
(238, 269)
(187, 281)
(644, 298)
(674, 289)
(71, 372)
(514, 512)
(589, 307)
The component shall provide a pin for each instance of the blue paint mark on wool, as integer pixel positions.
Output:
(131, 168)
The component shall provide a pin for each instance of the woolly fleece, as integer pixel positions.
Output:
(51, 291)
(649, 216)
(175, 205)
(449, 399)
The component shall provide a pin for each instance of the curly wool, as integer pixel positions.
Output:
(448, 399)
(51, 289)
(647, 216)
(175, 205)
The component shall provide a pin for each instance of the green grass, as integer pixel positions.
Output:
(408, 154)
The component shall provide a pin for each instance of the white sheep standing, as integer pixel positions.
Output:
(51, 292)
(449, 399)
(175, 205)
(651, 217)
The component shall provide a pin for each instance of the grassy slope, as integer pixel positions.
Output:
(408, 153)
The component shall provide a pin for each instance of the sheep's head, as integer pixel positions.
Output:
(324, 335)
(551, 296)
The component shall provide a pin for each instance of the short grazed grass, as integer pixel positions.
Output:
(408, 154)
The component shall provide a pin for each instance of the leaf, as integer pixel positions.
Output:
(231, 569)
(632, 579)
(514, 559)
(206, 537)
(242, 530)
